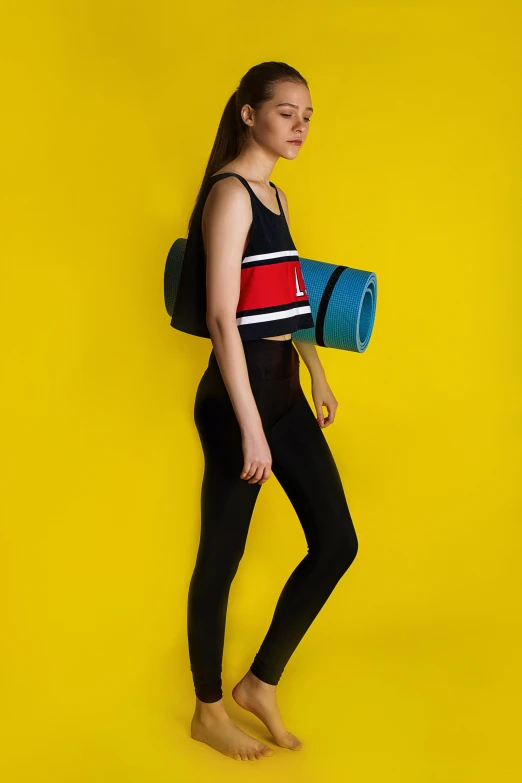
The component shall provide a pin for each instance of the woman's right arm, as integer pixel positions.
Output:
(226, 219)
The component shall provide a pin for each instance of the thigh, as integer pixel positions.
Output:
(217, 425)
(216, 420)
(227, 505)
(305, 467)
(227, 501)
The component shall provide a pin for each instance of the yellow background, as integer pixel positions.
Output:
(412, 170)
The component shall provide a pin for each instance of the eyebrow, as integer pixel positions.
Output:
(307, 108)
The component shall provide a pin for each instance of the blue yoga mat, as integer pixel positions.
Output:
(342, 299)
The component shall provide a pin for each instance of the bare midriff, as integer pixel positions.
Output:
(279, 337)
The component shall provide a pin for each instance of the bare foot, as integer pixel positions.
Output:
(211, 724)
(259, 697)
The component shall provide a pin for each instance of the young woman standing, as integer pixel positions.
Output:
(250, 411)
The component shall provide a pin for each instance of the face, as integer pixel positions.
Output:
(284, 118)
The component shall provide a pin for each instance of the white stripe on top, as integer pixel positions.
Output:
(277, 315)
(278, 254)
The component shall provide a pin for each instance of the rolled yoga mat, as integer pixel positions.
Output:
(342, 300)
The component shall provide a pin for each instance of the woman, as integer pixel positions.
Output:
(250, 411)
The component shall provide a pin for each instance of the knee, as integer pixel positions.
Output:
(342, 550)
(215, 570)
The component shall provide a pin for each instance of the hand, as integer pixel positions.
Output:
(323, 395)
(257, 457)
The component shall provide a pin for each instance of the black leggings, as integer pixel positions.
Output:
(304, 466)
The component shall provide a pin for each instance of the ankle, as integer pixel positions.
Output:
(254, 680)
(210, 710)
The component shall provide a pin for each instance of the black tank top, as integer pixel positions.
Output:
(273, 299)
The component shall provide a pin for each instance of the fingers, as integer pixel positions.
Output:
(256, 472)
(325, 422)
(265, 474)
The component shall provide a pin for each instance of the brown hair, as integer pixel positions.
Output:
(255, 88)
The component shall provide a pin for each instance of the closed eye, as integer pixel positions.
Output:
(289, 115)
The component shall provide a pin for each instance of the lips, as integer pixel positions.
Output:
(297, 142)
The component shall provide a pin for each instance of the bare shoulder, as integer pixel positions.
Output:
(226, 217)
(227, 194)
(284, 202)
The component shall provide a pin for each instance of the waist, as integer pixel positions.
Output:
(271, 359)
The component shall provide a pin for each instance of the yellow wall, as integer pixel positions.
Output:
(412, 169)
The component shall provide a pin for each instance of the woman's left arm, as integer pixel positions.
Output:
(321, 392)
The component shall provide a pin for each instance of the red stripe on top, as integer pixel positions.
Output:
(269, 285)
